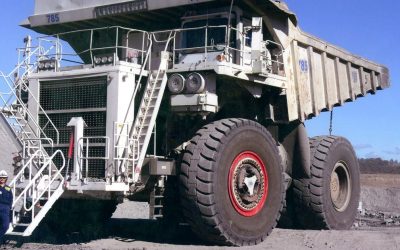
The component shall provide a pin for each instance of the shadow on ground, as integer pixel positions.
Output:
(126, 230)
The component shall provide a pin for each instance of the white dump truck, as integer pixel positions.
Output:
(196, 106)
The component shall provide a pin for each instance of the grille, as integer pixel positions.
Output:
(73, 94)
(96, 122)
(84, 97)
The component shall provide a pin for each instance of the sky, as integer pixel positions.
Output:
(368, 28)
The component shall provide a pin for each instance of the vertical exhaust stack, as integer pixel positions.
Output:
(78, 125)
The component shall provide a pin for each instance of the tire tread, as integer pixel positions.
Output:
(199, 206)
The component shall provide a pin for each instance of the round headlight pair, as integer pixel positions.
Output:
(193, 84)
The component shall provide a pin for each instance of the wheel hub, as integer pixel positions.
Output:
(248, 184)
(335, 186)
(340, 186)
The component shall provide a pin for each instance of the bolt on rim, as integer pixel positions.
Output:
(340, 186)
(248, 184)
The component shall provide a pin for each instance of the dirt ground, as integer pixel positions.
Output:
(377, 227)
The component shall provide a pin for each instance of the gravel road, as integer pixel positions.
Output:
(128, 229)
(377, 238)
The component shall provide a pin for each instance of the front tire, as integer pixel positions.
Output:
(231, 180)
(329, 199)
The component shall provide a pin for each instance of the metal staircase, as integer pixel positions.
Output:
(14, 109)
(147, 114)
(148, 110)
(40, 190)
(138, 138)
(39, 182)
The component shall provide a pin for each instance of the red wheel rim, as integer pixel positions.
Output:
(248, 184)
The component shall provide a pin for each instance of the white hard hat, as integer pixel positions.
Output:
(3, 174)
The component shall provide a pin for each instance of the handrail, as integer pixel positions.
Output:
(170, 37)
(130, 143)
(223, 47)
(38, 153)
(50, 182)
(87, 157)
(141, 74)
(26, 144)
(33, 182)
(91, 48)
(20, 83)
(86, 140)
(31, 117)
(136, 129)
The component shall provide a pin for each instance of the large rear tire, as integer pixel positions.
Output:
(329, 199)
(232, 180)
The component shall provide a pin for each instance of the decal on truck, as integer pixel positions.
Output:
(53, 18)
(303, 65)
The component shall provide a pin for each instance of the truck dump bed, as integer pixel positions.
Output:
(325, 76)
(319, 75)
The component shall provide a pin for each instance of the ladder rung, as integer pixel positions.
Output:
(15, 233)
(143, 115)
(22, 225)
(143, 126)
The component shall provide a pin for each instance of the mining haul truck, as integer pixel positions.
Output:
(195, 106)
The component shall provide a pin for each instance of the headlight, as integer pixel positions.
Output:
(195, 83)
(47, 64)
(97, 60)
(106, 59)
(176, 83)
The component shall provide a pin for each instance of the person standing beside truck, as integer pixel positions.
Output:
(6, 199)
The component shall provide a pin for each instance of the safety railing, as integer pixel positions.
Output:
(114, 39)
(41, 184)
(124, 143)
(34, 169)
(30, 146)
(274, 60)
(150, 104)
(85, 153)
(145, 64)
(28, 170)
(220, 41)
(205, 44)
(46, 180)
(12, 101)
